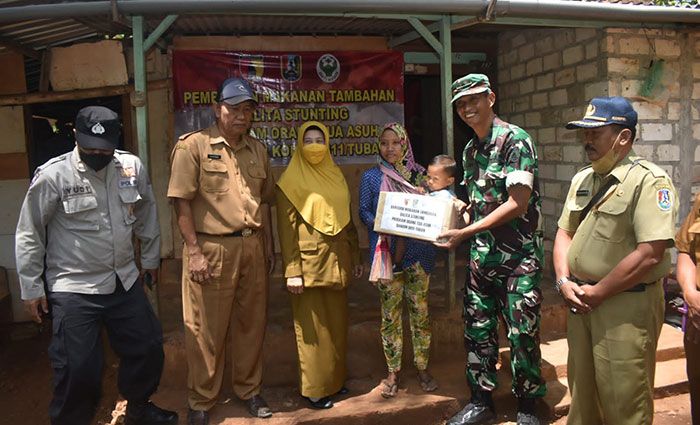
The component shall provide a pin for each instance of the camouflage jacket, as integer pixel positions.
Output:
(505, 156)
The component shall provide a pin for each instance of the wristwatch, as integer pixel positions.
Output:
(562, 280)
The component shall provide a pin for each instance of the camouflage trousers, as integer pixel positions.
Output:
(411, 285)
(517, 299)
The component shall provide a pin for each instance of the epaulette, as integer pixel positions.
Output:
(655, 170)
(122, 152)
(52, 161)
(186, 135)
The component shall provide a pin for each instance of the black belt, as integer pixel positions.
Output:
(641, 287)
(238, 234)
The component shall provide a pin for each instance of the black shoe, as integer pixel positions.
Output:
(343, 390)
(322, 403)
(258, 407)
(148, 414)
(527, 419)
(476, 412)
(197, 417)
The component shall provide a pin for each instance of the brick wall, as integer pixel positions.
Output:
(546, 77)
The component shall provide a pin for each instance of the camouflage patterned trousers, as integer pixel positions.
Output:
(412, 285)
(517, 298)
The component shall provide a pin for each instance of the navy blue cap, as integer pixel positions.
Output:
(97, 127)
(605, 111)
(236, 90)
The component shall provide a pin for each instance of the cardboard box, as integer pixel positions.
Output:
(414, 216)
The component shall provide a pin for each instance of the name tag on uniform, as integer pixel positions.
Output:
(214, 156)
(583, 192)
(130, 182)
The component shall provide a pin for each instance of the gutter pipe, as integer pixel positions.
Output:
(549, 9)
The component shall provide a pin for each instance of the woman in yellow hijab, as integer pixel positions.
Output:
(320, 252)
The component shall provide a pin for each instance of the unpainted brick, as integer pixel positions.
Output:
(517, 71)
(564, 77)
(533, 119)
(565, 172)
(526, 52)
(551, 61)
(573, 55)
(546, 135)
(634, 46)
(645, 151)
(630, 88)
(667, 48)
(592, 50)
(628, 67)
(544, 45)
(668, 152)
(648, 111)
(539, 101)
(573, 154)
(654, 131)
(534, 66)
(585, 33)
(545, 81)
(586, 72)
(558, 97)
(552, 153)
(596, 89)
(674, 110)
(527, 86)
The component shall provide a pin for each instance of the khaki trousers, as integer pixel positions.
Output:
(612, 358)
(230, 306)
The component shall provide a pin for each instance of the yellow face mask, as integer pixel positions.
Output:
(314, 152)
(607, 162)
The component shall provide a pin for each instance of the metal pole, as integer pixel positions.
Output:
(448, 134)
(160, 29)
(140, 103)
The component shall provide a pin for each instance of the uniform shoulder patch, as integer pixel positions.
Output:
(664, 198)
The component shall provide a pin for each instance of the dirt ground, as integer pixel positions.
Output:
(25, 374)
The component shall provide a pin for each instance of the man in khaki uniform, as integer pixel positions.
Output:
(610, 252)
(222, 187)
(688, 273)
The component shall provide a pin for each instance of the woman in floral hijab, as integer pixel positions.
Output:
(398, 172)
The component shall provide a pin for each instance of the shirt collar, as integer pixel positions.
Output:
(622, 168)
(215, 137)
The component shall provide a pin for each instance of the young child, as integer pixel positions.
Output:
(442, 172)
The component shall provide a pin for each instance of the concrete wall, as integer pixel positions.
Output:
(546, 78)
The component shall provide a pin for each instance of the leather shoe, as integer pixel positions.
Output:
(321, 403)
(473, 413)
(148, 414)
(527, 419)
(197, 417)
(258, 407)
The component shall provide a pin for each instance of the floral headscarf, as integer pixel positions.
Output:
(406, 167)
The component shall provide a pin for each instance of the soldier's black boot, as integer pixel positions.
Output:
(479, 410)
(526, 412)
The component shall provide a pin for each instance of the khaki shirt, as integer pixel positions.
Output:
(226, 185)
(79, 223)
(323, 260)
(641, 206)
(688, 237)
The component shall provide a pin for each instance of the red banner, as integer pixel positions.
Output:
(353, 93)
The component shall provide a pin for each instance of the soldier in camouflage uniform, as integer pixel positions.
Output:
(506, 254)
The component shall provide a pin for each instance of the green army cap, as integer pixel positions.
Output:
(470, 84)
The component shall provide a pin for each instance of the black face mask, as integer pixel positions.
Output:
(96, 161)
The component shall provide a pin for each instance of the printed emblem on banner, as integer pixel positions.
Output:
(290, 65)
(97, 129)
(664, 199)
(328, 68)
(252, 66)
